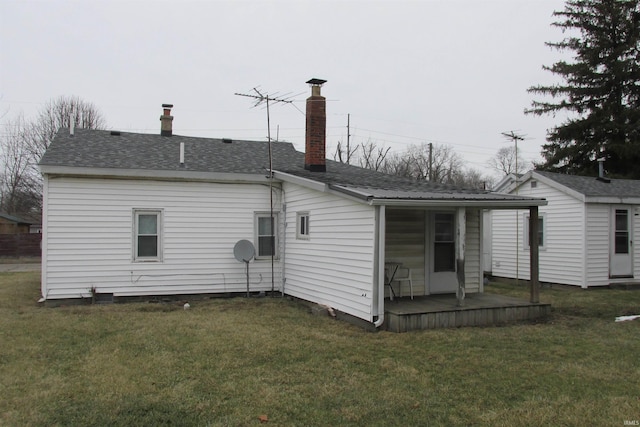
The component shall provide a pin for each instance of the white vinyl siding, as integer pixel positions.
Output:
(597, 244)
(405, 243)
(473, 252)
(88, 239)
(336, 266)
(562, 259)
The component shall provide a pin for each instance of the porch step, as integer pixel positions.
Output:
(441, 311)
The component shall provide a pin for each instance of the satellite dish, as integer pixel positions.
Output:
(244, 251)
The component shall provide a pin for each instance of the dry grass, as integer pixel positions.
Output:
(227, 362)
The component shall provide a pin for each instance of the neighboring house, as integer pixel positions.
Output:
(586, 232)
(137, 214)
(10, 224)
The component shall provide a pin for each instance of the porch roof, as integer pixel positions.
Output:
(427, 198)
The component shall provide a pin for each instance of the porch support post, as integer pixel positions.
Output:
(534, 254)
(460, 248)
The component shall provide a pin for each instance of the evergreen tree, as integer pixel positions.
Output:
(600, 90)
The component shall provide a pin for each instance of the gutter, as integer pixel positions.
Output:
(151, 174)
(489, 204)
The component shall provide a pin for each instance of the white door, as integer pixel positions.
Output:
(442, 253)
(621, 258)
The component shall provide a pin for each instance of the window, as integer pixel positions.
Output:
(302, 226)
(541, 232)
(444, 246)
(147, 235)
(266, 235)
(622, 232)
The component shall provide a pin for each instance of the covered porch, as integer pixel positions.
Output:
(443, 311)
(441, 250)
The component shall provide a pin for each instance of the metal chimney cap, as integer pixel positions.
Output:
(167, 105)
(316, 82)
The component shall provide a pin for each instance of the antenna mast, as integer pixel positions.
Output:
(515, 138)
(265, 99)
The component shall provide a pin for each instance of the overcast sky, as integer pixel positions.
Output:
(407, 72)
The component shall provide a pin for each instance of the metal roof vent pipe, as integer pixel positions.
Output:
(166, 119)
(601, 176)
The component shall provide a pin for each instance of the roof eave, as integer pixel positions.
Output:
(612, 200)
(179, 175)
(438, 203)
(558, 186)
(304, 182)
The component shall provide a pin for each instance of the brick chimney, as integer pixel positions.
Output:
(314, 155)
(166, 119)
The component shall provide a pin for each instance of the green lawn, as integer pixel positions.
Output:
(230, 361)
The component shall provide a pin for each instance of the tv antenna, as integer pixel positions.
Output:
(514, 137)
(260, 99)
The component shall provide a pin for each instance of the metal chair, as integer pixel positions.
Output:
(403, 274)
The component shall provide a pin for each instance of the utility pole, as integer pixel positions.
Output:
(515, 138)
(431, 161)
(265, 99)
(348, 138)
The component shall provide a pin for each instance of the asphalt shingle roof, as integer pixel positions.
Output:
(593, 187)
(121, 150)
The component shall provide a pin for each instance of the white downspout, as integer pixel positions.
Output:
(45, 238)
(379, 263)
(283, 265)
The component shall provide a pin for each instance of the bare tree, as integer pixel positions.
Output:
(419, 162)
(397, 164)
(24, 143)
(20, 186)
(373, 156)
(505, 161)
(472, 178)
(342, 155)
(59, 113)
(446, 164)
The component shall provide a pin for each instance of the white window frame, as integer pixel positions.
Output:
(302, 226)
(257, 236)
(525, 230)
(159, 232)
(450, 242)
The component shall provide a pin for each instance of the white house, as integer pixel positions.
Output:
(586, 231)
(149, 215)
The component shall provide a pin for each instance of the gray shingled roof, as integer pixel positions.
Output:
(131, 151)
(593, 187)
(102, 149)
